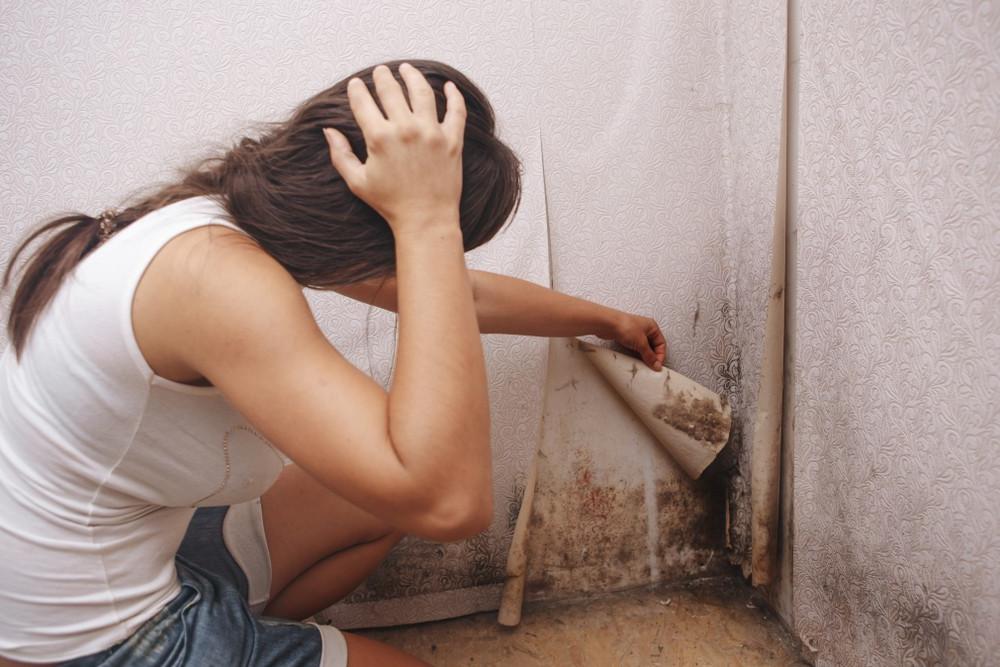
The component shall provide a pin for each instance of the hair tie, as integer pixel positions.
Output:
(106, 223)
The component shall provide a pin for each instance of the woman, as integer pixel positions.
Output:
(163, 356)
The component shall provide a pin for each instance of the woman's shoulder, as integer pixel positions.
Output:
(212, 285)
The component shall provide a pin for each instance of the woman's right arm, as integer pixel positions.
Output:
(419, 455)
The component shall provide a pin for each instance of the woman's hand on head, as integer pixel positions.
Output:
(413, 173)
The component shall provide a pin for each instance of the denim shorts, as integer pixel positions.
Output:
(210, 621)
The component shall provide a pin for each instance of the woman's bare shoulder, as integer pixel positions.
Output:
(203, 283)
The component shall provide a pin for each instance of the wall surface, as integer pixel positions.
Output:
(897, 476)
(660, 137)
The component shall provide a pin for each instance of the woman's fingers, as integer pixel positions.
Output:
(659, 345)
(412, 164)
(343, 158)
(454, 118)
(420, 92)
(647, 354)
(390, 94)
(366, 112)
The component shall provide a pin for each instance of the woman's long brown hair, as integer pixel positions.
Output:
(281, 189)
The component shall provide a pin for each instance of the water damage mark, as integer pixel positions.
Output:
(928, 629)
(697, 417)
(732, 467)
(587, 536)
(572, 382)
(514, 504)
(691, 517)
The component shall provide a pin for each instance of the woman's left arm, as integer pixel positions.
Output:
(507, 305)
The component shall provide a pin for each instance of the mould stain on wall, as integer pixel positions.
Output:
(478, 561)
(732, 467)
(591, 537)
(585, 535)
(697, 417)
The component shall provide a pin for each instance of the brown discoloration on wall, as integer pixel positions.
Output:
(514, 504)
(700, 418)
(592, 537)
(586, 536)
(478, 561)
(572, 382)
(692, 523)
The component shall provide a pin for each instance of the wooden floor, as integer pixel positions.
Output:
(711, 622)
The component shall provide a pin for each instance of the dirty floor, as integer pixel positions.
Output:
(709, 622)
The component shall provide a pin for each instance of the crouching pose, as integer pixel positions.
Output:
(163, 357)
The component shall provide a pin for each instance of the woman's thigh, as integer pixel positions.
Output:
(304, 522)
(208, 623)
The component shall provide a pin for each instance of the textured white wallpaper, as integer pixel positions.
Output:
(897, 473)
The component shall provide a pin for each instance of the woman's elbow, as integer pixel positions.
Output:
(458, 518)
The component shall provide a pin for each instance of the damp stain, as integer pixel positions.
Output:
(572, 382)
(699, 418)
(587, 536)
(691, 519)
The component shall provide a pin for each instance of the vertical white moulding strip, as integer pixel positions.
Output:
(765, 462)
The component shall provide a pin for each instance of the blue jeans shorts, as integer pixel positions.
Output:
(210, 622)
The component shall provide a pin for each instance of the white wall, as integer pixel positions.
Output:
(897, 307)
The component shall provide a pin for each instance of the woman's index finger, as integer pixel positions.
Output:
(363, 106)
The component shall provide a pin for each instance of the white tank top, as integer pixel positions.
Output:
(102, 462)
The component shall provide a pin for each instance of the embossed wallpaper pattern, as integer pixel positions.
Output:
(897, 386)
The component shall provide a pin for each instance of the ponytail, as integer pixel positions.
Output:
(77, 236)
